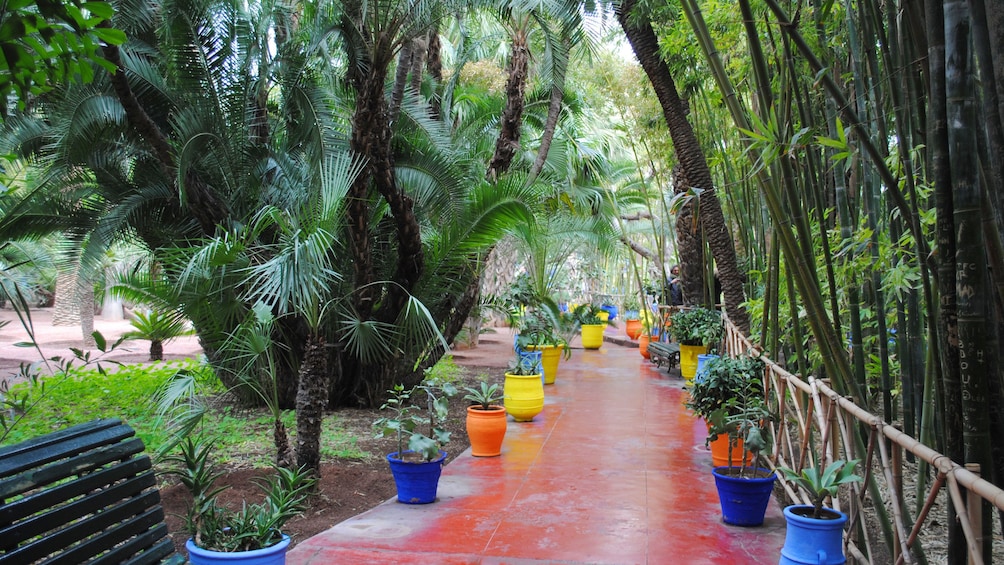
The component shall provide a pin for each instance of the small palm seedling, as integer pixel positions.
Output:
(216, 528)
(484, 397)
(821, 485)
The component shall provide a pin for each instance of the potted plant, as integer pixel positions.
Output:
(696, 329)
(538, 333)
(730, 387)
(731, 399)
(744, 490)
(523, 392)
(486, 420)
(587, 317)
(815, 530)
(220, 535)
(632, 319)
(417, 469)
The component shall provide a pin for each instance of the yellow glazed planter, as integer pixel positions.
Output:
(688, 360)
(550, 358)
(592, 336)
(523, 396)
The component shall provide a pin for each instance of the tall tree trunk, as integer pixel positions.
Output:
(311, 397)
(512, 114)
(971, 262)
(645, 44)
(689, 245)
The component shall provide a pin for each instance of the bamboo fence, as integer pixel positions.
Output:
(815, 422)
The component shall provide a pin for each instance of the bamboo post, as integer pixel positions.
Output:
(974, 508)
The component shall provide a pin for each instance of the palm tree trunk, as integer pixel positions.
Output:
(311, 397)
(645, 44)
(512, 115)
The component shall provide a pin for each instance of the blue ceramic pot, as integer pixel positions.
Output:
(417, 483)
(271, 555)
(702, 363)
(813, 540)
(744, 500)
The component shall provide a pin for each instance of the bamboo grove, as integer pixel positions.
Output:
(866, 202)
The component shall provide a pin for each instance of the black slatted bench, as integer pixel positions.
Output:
(664, 353)
(86, 494)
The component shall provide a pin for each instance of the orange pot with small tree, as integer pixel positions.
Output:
(486, 420)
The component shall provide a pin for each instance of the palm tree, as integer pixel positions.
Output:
(693, 165)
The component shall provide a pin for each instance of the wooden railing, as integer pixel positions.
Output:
(816, 422)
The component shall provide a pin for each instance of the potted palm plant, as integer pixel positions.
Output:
(587, 317)
(816, 530)
(540, 333)
(220, 535)
(696, 330)
(416, 425)
(486, 420)
(523, 391)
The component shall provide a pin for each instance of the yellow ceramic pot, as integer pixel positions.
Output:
(523, 396)
(550, 358)
(688, 360)
(592, 336)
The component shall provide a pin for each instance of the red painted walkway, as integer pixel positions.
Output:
(613, 471)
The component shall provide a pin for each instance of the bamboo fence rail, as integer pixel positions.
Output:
(815, 421)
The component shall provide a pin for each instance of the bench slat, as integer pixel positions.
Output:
(98, 544)
(78, 465)
(58, 517)
(66, 443)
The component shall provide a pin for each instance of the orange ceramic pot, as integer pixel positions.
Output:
(486, 429)
(632, 328)
(720, 452)
(643, 340)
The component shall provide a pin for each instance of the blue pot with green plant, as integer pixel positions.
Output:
(815, 533)
(416, 470)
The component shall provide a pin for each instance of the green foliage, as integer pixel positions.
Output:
(45, 43)
(731, 399)
(445, 370)
(524, 365)
(537, 330)
(821, 485)
(84, 394)
(418, 423)
(698, 326)
(39, 379)
(157, 326)
(725, 378)
(586, 315)
(255, 526)
(484, 396)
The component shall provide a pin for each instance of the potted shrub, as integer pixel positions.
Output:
(486, 420)
(716, 398)
(523, 392)
(632, 319)
(815, 530)
(744, 490)
(417, 469)
(587, 317)
(538, 333)
(731, 399)
(696, 329)
(252, 535)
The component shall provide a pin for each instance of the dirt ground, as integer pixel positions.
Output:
(347, 487)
